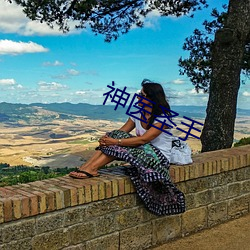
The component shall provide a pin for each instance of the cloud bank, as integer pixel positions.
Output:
(16, 48)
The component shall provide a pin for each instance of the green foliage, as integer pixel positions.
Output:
(198, 67)
(108, 17)
(23, 174)
(242, 142)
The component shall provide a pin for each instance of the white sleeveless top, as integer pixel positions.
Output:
(163, 141)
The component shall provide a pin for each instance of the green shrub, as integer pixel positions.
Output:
(242, 142)
(23, 174)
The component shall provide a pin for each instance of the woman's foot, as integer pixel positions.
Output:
(83, 174)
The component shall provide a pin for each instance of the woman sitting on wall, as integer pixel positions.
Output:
(148, 153)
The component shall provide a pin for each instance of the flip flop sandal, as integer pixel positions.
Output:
(87, 175)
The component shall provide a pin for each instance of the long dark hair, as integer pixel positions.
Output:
(156, 94)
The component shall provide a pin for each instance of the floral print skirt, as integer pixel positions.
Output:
(149, 172)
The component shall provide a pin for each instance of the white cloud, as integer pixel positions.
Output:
(51, 86)
(246, 93)
(15, 48)
(10, 84)
(19, 86)
(80, 92)
(178, 81)
(7, 82)
(55, 63)
(73, 72)
(13, 20)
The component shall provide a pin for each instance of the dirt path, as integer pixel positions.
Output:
(233, 235)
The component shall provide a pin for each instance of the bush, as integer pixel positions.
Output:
(22, 174)
(242, 142)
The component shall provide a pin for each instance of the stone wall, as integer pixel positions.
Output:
(105, 212)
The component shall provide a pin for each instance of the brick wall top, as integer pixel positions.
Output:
(25, 200)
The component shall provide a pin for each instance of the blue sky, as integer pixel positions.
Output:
(38, 64)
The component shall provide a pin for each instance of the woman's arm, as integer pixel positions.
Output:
(135, 141)
(128, 126)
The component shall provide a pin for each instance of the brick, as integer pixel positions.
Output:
(215, 165)
(25, 205)
(248, 159)
(210, 168)
(110, 241)
(94, 188)
(76, 247)
(50, 197)
(204, 198)
(217, 213)
(80, 233)
(7, 209)
(49, 222)
(231, 163)
(95, 191)
(51, 240)
(132, 188)
(165, 229)
(23, 244)
(194, 220)
(238, 206)
(108, 188)
(73, 194)
(240, 174)
(245, 186)
(59, 198)
(247, 173)
(129, 217)
(33, 201)
(121, 185)
(177, 174)
(101, 191)
(1, 211)
(225, 165)
(78, 184)
(187, 172)
(66, 195)
(74, 215)
(201, 170)
(16, 204)
(6, 192)
(220, 193)
(18, 230)
(115, 188)
(197, 170)
(182, 174)
(172, 171)
(127, 185)
(190, 202)
(88, 193)
(235, 162)
(105, 224)
(243, 160)
(81, 195)
(138, 237)
(41, 201)
(96, 209)
(234, 189)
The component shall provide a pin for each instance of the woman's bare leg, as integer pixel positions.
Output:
(93, 158)
(98, 160)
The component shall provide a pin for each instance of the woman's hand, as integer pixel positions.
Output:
(107, 141)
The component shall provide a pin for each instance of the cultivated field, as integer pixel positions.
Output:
(64, 143)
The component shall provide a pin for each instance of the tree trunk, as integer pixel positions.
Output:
(227, 56)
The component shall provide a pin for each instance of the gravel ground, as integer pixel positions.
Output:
(232, 235)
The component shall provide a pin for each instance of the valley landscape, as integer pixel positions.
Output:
(65, 135)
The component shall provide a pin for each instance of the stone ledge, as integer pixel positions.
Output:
(39, 197)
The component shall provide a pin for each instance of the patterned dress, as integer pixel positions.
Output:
(149, 173)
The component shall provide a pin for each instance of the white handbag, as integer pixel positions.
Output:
(180, 152)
